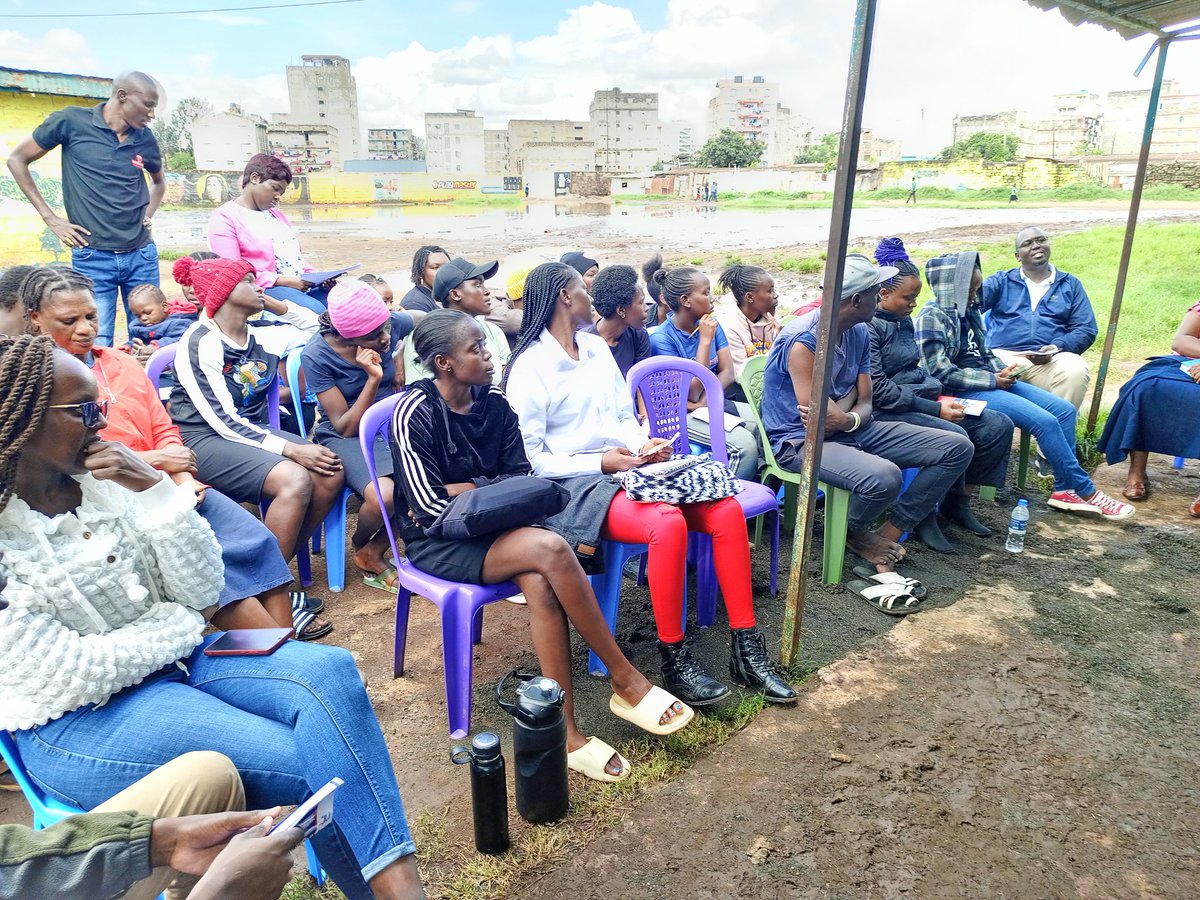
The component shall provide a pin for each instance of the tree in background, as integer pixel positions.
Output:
(993, 146)
(824, 151)
(418, 147)
(174, 132)
(729, 150)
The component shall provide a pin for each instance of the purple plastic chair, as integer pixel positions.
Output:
(461, 605)
(663, 383)
(163, 358)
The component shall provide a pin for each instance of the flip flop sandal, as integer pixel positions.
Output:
(303, 602)
(914, 587)
(591, 760)
(1137, 495)
(650, 709)
(379, 581)
(308, 628)
(517, 599)
(891, 599)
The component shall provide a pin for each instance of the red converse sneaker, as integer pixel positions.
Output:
(1071, 502)
(1110, 507)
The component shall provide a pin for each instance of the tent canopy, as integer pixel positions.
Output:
(1129, 18)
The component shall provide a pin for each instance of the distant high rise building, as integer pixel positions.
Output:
(625, 130)
(222, 142)
(390, 143)
(321, 91)
(454, 142)
(677, 142)
(562, 132)
(495, 151)
(752, 109)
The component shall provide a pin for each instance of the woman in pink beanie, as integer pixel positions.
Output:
(349, 366)
(220, 405)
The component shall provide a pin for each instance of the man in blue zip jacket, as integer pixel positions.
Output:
(1040, 319)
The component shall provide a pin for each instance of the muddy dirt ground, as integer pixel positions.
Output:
(1031, 733)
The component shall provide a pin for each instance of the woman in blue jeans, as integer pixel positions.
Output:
(111, 574)
(953, 342)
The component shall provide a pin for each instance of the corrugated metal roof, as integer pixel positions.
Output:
(1130, 18)
(59, 83)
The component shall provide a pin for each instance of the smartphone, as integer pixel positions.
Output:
(314, 813)
(249, 642)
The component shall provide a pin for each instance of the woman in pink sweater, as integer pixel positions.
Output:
(252, 228)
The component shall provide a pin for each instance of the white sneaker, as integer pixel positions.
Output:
(1110, 507)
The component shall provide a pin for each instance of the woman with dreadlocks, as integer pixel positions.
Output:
(902, 391)
(349, 365)
(110, 576)
(577, 419)
(60, 305)
(693, 332)
(426, 262)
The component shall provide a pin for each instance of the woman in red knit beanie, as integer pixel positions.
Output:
(220, 405)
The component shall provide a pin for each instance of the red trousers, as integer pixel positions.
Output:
(665, 528)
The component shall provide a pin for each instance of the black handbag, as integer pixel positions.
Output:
(512, 503)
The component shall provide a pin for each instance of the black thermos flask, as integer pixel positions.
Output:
(539, 747)
(489, 791)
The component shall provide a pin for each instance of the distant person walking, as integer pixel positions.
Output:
(105, 151)
(712, 191)
(1012, 194)
(912, 192)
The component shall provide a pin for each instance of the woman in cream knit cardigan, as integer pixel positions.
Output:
(102, 679)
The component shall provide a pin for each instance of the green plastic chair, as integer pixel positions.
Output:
(837, 500)
(988, 492)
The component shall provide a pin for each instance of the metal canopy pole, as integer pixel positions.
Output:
(1135, 203)
(839, 233)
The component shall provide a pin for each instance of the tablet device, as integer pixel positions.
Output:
(314, 813)
(249, 642)
(315, 278)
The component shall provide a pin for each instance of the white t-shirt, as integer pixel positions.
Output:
(288, 258)
(1038, 289)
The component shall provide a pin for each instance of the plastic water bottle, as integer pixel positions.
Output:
(1016, 527)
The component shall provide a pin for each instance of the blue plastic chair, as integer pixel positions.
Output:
(461, 605)
(334, 525)
(607, 588)
(163, 358)
(663, 383)
(47, 810)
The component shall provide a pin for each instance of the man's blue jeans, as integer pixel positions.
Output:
(1051, 420)
(112, 272)
(289, 721)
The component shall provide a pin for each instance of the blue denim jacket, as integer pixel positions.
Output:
(1064, 316)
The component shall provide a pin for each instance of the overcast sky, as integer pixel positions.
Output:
(536, 58)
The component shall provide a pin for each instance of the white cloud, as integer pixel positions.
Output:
(58, 50)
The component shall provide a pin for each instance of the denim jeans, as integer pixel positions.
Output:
(112, 272)
(1051, 420)
(289, 721)
(867, 463)
(314, 299)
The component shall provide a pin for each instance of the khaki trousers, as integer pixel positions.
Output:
(190, 785)
(1066, 375)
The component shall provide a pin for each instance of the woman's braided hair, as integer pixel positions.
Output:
(741, 280)
(542, 289)
(420, 258)
(891, 252)
(42, 282)
(26, 379)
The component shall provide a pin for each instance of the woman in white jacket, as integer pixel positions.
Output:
(110, 575)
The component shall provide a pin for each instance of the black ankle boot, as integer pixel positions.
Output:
(749, 667)
(686, 678)
(928, 533)
(956, 508)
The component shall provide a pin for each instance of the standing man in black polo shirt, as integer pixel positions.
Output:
(105, 151)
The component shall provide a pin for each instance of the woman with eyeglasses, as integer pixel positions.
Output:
(349, 366)
(111, 577)
(60, 305)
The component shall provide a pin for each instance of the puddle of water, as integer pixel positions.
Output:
(674, 227)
